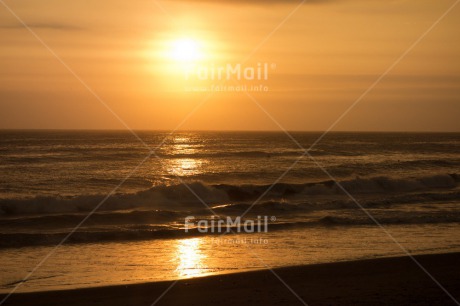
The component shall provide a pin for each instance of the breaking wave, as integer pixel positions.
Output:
(191, 196)
(151, 232)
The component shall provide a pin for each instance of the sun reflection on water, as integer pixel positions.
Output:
(185, 166)
(190, 258)
(182, 165)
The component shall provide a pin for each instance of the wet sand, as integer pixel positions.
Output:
(386, 281)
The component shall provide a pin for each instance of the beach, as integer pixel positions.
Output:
(178, 219)
(384, 281)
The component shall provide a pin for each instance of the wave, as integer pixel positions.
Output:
(384, 184)
(194, 195)
(428, 205)
(372, 185)
(136, 217)
(254, 153)
(125, 153)
(154, 232)
(175, 197)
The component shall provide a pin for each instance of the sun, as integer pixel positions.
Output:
(186, 50)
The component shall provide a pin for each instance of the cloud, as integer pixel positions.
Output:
(42, 25)
(261, 2)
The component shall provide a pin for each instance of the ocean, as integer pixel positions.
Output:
(51, 180)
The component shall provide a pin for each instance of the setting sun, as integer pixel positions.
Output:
(186, 50)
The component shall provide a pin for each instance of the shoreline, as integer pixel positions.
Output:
(382, 281)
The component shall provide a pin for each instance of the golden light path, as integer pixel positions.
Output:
(184, 166)
(190, 258)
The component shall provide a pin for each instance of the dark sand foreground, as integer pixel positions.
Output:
(388, 281)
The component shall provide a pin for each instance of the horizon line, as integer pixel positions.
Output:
(210, 130)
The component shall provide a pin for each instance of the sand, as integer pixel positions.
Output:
(386, 281)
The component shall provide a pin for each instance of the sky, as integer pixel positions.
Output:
(148, 65)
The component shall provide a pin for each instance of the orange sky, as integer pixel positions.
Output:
(320, 60)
